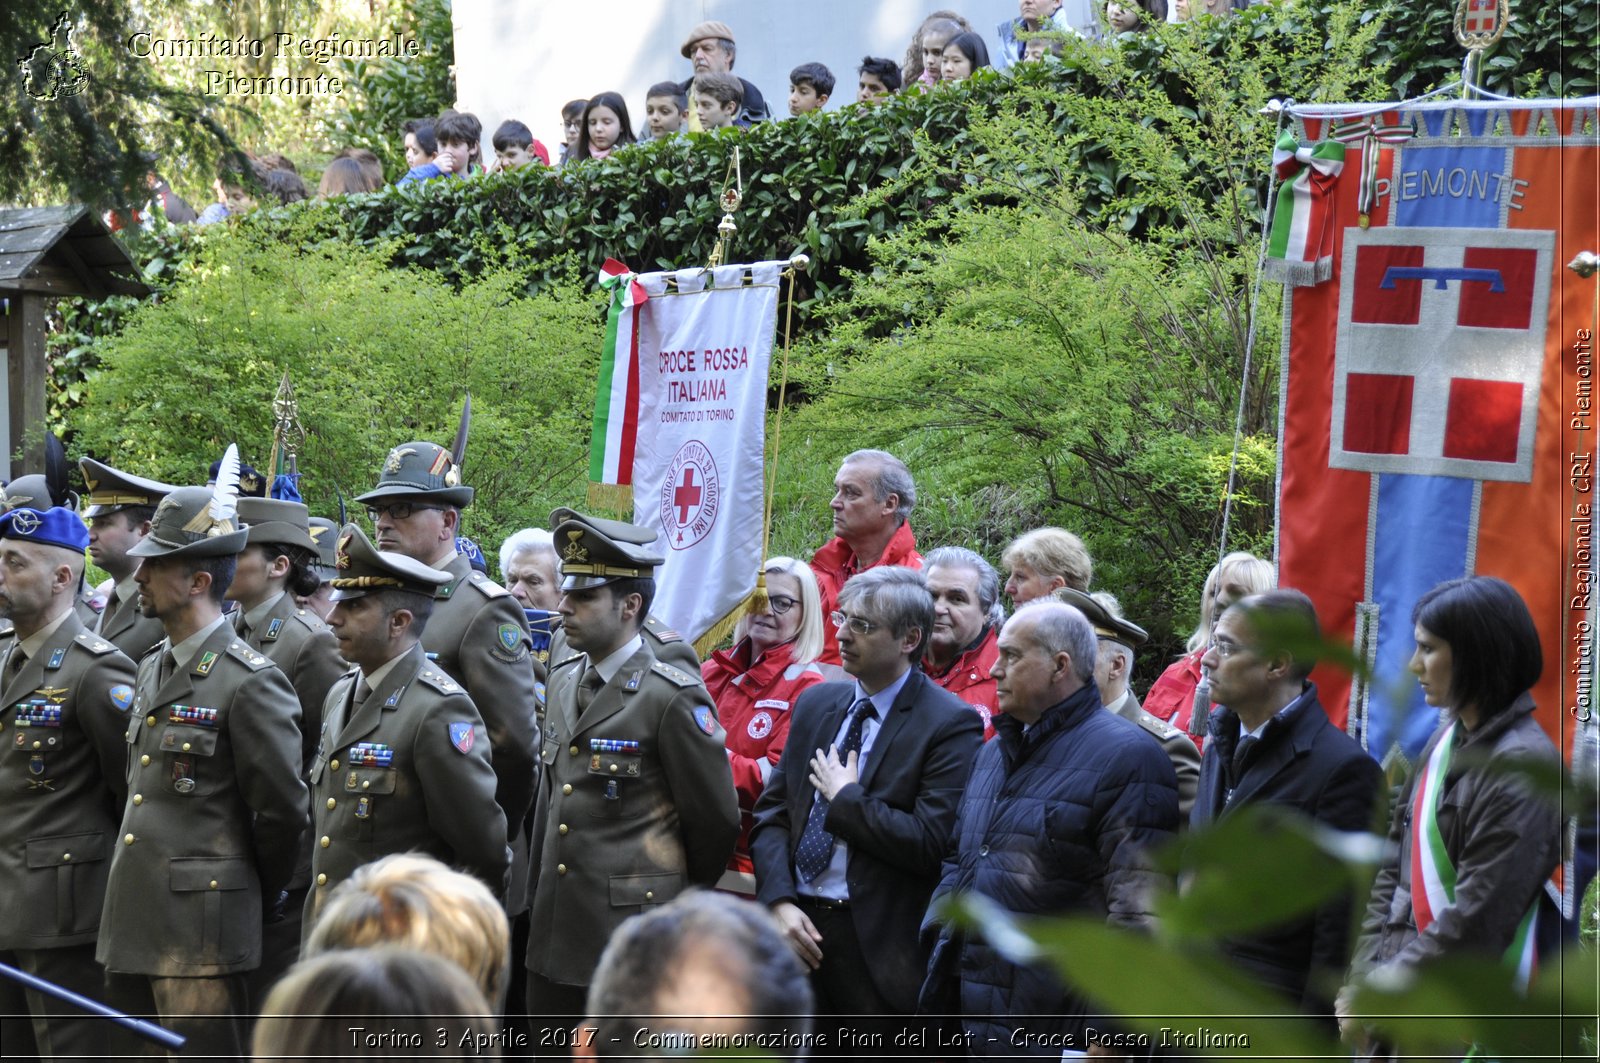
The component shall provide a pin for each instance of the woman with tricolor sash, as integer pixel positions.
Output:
(1471, 844)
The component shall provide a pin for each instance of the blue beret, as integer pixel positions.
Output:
(52, 527)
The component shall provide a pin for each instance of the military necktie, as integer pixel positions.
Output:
(588, 687)
(14, 665)
(169, 665)
(815, 851)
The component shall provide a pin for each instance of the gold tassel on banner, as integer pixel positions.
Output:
(721, 629)
(758, 600)
(613, 498)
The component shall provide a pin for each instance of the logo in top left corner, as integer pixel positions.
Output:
(52, 69)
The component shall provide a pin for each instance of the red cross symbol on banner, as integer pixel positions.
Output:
(686, 496)
(1482, 17)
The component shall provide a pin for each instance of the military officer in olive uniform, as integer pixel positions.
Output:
(403, 765)
(667, 644)
(64, 698)
(216, 804)
(120, 508)
(274, 566)
(478, 634)
(1119, 639)
(637, 801)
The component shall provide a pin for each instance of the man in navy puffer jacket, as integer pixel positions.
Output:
(1058, 817)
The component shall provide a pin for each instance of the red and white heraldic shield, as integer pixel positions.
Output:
(1440, 349)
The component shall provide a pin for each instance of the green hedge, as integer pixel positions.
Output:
(655, 205)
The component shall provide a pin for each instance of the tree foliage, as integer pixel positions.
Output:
(377, 356)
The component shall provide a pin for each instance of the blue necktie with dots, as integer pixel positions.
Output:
(815, 852)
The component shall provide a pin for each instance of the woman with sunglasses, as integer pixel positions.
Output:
(755, 684)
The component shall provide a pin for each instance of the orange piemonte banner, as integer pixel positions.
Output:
(1438, 414)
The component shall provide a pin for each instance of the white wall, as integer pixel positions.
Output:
(525, 58)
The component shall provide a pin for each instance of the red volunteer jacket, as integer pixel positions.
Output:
(836, 562)
(968, 678)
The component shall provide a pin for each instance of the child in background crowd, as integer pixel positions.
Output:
(718, 98)
(666, 107)
(1120, 19)
(965, 53)
(233, 195)
(371, 165)
(925, 57)
(879, 78)
(343, 176)
(605, 127)
(514, 146)
(810, 85)
(284, 186)
(455, 131)
(472, 128)
(571, 127)
(1036, 44)
(421, 149)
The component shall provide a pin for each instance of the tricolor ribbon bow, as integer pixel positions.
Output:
(1371, 135)
(613, 273)
(1300, 248)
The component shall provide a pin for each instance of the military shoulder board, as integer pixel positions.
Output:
(662, 632)
(566, 661)
(250, 657)
(487, 586)
(93, 643)
(439, 681)
(677, 676)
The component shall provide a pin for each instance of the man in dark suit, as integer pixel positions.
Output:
(854, 822)
(1271, 742)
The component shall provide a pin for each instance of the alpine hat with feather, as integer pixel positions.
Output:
(198, 521)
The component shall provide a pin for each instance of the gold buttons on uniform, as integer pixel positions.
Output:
(186, 747)
(65, 857)
(331, 803)
(561, 869)
(613, 771)
(562, 828)
(326, 841)
(150, 721)
(138, 799)
(365, 783)
(144, 760)
(38, 745)
(322, 880)
(127, 839)
(566, 789)
(572, 750)
(334, 764)
(649, 895)
(214, 886)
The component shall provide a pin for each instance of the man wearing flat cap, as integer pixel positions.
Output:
(64, 695)
(637, 801)
(711, 49)
(120, 508)
(477, 634)
(403, 765)
(216, 805)
(1119, 639)
(274, 565)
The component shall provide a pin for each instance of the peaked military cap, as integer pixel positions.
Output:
(361, 569)
(251, 483)
(184, 527)
(1105, 625)
(33, 492)
(420, 470)
(56, 526)
(111, 489)
(273, 520)
(595, 551)
(325, 534)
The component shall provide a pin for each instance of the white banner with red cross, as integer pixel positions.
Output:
(686, 402)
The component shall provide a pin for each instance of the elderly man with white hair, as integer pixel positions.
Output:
(1058, 817)
(529, 565)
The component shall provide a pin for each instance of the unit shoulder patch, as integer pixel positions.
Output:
(439, 681)
(676, 676)
(240, 649)
(93, 643)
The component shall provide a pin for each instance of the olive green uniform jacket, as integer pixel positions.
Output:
(63, 779)
(406, 771)
(215, 813)
(298, 642)
(478, 635)
(128, 629)
(622, 827)
(1179, 748)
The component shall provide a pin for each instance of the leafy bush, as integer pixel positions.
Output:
(377, 356)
